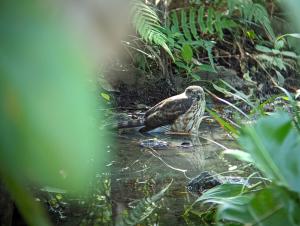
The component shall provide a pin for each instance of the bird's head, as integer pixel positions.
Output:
(195, 92)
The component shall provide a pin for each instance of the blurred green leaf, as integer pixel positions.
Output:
(187, 53)
(46, 103)
(234, 209)
(280, 78)
(207, 67)
(47, 107)
(251, 34)
(182, 65)
(195, 76)
(240, 155)
(293, 35)
(270, 206)
(58, 196)
(279, 44)
(263, 49)
(274, 145)
(227, 126)
(105, 96)
(289, 54)
(225, 194)
(221, 193)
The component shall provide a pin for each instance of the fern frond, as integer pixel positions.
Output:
(185, 26)
(193, 23)
(208, 46)
(144, 208)
(147, 24)
(252, 12)
(271, 61)
(210, 17)
(208, 21)
(201, 19)
(184, 21)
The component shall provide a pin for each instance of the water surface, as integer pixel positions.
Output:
(138, 172)
(135, 172)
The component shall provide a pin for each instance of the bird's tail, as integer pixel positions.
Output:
(131, 123)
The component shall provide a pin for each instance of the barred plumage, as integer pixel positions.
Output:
(183, 112)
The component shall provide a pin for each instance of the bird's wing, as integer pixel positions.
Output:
(167, 111)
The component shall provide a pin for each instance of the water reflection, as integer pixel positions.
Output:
(138, 172)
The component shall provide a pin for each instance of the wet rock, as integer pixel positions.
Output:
(207, 180)
(154, 143)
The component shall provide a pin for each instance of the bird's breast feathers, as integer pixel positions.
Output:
(190, 121)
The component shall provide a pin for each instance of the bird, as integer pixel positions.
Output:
(183, 113)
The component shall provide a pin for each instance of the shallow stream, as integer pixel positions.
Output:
(138, 172)
(135, 172)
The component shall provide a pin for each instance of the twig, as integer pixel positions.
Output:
(155, 154)
(228, 103)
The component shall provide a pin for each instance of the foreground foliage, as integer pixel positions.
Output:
(45, 107)
(202, 35)
(274, 144)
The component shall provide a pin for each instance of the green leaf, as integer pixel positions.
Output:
(280, 78)
(222, 193)
(289, 54)
(251, 34)
(46, 106)
(274, 145)
(279, 44)
(269, 202)
(247, 77)
(187, 53)
(270, 206)
(206, 67)
(196, 77)
(276, 51)
(209, 22)
(59, 196)
(239, 94)
(182, 65)
(185, 26)
(234, 210)
(228, 24)
(192, 18)
(240, 155)
(270, 61)
(278, 62)
(201, 19)
(293, 35)
(263, 49)
(208, 47)
(227, 126)
(222, 90)
(148, 25)
(105, 96)
(175, 23)
(252, 12)
(218, 25)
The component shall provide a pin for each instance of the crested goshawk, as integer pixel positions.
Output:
(183, 113)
